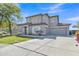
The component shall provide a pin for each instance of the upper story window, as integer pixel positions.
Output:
(54, 20)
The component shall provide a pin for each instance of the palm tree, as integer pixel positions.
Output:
(8, 13)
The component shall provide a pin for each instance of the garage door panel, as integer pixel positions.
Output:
(58, 31)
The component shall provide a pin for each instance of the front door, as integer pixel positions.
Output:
(25, 30)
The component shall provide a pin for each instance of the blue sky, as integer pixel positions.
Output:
(68, 12)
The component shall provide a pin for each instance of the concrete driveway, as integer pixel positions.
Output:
(62, 46)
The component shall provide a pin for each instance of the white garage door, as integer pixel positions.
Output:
(58, 31)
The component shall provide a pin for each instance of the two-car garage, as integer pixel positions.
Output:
(59, 30)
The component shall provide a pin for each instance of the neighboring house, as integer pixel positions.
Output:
(43, 24)
(72, 32)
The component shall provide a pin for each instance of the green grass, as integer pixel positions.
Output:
(12, 39)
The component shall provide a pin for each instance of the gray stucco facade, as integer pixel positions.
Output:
(45, 25)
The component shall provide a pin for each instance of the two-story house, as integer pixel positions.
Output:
(43, 24)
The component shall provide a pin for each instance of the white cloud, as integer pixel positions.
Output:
(73, 18)
(54, 9)
(56, 6)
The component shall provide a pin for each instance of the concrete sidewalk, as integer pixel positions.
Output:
(46, 47)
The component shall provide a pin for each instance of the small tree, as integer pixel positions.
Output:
(9, 12)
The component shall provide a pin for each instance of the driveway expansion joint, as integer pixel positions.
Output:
(30, 50)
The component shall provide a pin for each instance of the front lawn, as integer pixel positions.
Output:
(12, 39)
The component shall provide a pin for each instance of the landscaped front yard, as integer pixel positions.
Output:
(12, 39)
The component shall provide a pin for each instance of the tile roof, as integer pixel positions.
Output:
(61, 24)
(32, 24)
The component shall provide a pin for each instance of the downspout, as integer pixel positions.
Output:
(41, 21)
(49, 25)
